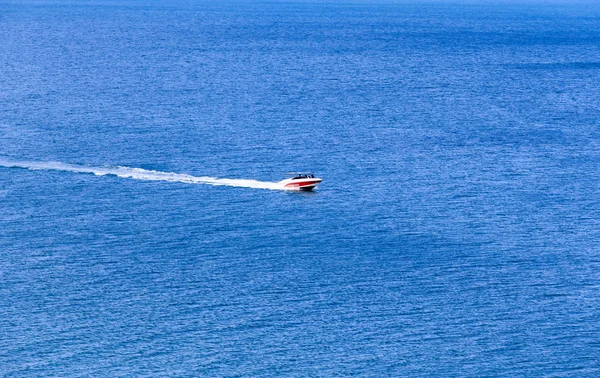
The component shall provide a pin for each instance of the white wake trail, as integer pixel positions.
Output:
(139, 174)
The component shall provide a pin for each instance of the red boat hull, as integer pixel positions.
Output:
(305, 185)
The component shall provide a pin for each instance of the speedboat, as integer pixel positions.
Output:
(305, 181)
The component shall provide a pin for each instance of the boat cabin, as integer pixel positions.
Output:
(300, 175)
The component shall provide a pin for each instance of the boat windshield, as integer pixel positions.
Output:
(302, 176)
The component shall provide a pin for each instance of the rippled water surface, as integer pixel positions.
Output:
(455, 232)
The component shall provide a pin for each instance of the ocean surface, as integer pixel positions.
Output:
(456, 231)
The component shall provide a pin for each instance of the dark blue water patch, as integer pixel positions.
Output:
(559, 66)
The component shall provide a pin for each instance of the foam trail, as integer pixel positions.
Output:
(139, 174)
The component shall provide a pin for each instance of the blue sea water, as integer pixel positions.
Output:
(455, 232)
